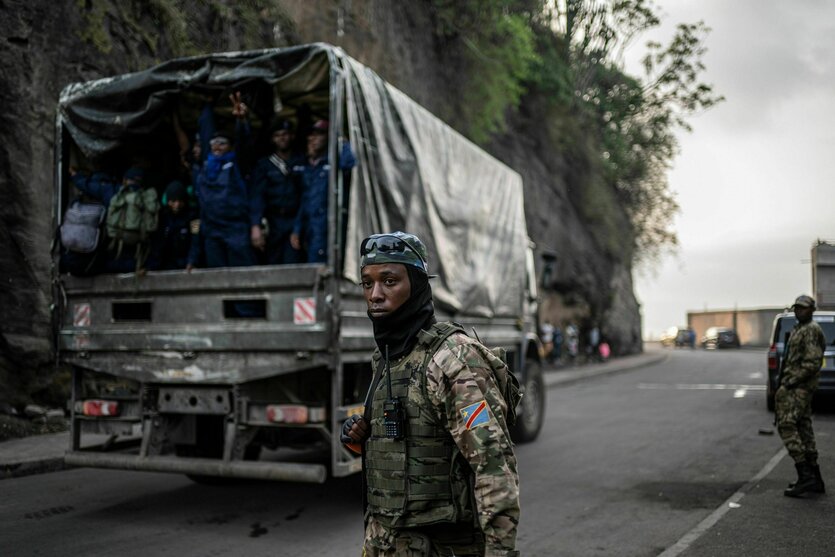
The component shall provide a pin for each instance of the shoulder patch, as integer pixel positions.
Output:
(475, 415)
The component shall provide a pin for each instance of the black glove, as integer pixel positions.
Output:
(346, 428)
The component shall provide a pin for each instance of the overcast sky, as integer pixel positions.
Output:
(755, 177)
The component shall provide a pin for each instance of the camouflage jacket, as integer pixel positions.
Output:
(463, 398)
(458, 380)
(804, 356)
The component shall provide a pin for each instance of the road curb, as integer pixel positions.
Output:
(564, 377)
(32, 467)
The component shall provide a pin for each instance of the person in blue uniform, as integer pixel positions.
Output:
(277, 191)
(310, 230)
(228, 225)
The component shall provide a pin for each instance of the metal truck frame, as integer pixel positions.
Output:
(165, 368)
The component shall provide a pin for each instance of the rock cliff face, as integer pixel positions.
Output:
(51, 44)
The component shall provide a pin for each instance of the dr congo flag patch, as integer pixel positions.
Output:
(475, 415)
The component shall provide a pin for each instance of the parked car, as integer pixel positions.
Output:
(685, 337)
(678, 336)
(720, 337)
(780, 330)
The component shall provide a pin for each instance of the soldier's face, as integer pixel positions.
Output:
(803, 314)
(386, 287)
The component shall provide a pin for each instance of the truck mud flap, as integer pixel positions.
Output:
(276, 471)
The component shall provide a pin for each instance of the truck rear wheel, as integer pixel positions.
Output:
(531, 411)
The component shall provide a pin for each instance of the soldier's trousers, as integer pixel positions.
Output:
(794, 423)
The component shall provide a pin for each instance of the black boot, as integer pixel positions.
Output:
(806, 481)
(819, 486)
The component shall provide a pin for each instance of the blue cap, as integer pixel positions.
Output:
(282, 125)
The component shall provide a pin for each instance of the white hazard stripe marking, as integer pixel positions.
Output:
(304, 311)
(81, 315)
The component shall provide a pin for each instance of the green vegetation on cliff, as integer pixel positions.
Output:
(618, 128)
(171, 28)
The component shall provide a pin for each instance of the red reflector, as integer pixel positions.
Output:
(772, 357)
(100, 408)
(287, 413)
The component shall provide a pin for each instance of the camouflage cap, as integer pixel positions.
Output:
(394, 247)
(804, 301)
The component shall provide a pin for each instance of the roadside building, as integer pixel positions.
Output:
(823, 274)
(753, 326)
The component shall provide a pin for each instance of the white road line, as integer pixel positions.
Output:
(699, 387)
(687, 539)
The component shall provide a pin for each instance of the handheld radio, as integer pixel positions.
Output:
(393, 414)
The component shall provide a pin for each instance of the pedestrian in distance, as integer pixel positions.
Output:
(439, 467)
(556, 354)
(594, 344)
(572, 341)
(546, 335)
(798, 382)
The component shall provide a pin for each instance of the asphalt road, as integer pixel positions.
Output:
(627, 464)
(632, 462)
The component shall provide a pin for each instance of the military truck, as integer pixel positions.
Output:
(167, 376)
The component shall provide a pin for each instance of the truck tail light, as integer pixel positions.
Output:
(99, 408)
(772, 357)
(294, 414)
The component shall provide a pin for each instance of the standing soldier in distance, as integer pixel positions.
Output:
(439, 467)
(793, 399)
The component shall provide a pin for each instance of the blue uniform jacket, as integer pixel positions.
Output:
(224, 196)
(314, 204)
(274, 193)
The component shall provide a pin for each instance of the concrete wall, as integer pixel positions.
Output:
(752, 325)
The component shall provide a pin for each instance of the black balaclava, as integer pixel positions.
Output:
(400, 328)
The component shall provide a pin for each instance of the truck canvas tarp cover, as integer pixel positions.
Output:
(414, 172)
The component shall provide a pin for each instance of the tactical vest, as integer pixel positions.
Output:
(421, 479)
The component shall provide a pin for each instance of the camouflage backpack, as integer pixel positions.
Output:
(132, 217)
(497, 358)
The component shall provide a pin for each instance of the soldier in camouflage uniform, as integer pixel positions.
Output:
(793, 399)
(439, 468)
